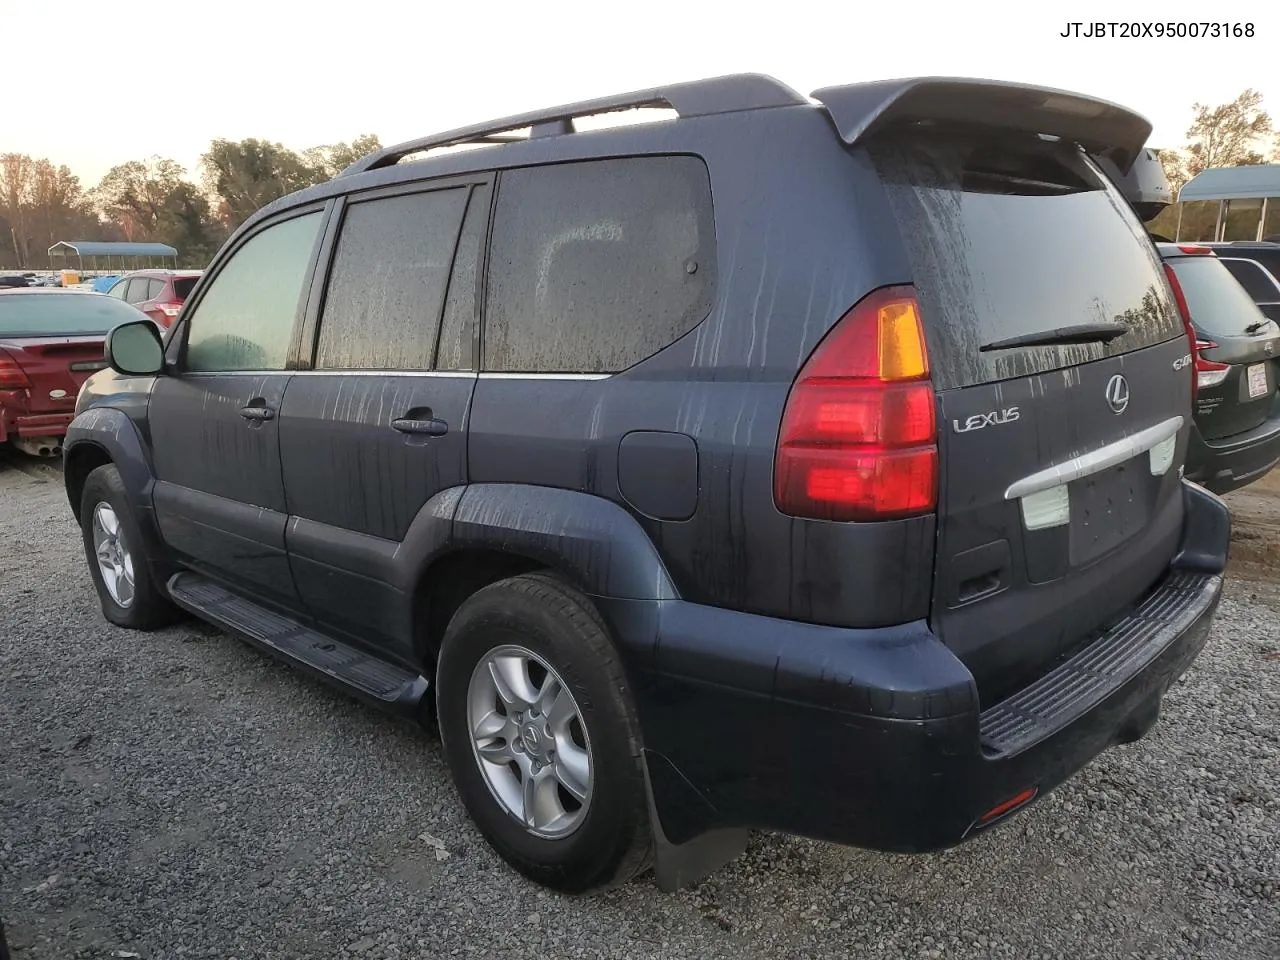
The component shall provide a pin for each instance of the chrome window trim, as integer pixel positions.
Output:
(471, 374)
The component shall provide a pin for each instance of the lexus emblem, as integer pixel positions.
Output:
(1118, 393)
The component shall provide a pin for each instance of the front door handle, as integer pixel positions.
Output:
(257, 413)
(430, 427)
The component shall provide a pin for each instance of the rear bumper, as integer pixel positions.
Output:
(33, 425)
(1233, 462)
(876, 738)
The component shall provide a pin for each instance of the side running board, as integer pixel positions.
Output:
(376, 681)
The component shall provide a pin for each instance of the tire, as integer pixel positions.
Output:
(607, 840)
(144, 607)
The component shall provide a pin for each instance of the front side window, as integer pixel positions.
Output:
(388, 282)
(597, 265)
(245, 319)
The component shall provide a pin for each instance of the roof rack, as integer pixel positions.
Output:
(748, 91)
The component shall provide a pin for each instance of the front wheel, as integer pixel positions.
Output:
(538, 728)
(113, 549)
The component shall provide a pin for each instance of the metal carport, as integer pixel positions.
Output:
(1246, 187)
(129, 255)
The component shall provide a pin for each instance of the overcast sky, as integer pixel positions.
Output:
(107, 82)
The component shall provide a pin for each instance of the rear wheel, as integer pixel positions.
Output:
(113, 549)
(537, 724)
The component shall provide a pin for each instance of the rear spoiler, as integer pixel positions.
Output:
(861, 109)
(1145, 186)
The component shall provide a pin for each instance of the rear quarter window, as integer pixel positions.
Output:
(597, 265)
(1012, 237)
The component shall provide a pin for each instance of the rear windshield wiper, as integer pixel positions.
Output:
(1102, 332)
(1256, 326)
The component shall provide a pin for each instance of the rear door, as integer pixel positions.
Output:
(378, 425)
(1240, 346)
(1059, 502)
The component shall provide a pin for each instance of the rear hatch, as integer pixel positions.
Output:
(1063, 378)
(1237, 347)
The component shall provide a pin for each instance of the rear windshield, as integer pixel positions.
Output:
(1218, 304)
(1012, 238)
(61, 314)
(182, 286)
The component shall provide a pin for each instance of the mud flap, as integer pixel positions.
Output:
(679, 865)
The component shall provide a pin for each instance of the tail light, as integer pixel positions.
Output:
(12, 376)
(859, 437)
(1207, 373)
(171, 309)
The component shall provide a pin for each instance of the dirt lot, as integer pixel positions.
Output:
(1255, 512)
(178, 795)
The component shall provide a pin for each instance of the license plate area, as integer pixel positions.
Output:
(1257, 375)
(1108, 508)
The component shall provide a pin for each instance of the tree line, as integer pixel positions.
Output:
(153, 200)
(1235, 134)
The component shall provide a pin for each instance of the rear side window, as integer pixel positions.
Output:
(154, 288)
(1009, 238)
(596, 265)
(1254, 279)
(388, 283)
(1219, 306)
(139, 290)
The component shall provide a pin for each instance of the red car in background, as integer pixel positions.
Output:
(157, 293)
(51, 341)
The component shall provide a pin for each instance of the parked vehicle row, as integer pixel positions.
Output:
(844, 499)
(50, 342)
(49, 345)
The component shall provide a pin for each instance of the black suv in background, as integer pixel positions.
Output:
(812, 466)
(1235, 351)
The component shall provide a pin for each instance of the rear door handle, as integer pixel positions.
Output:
(257, 413)
(431, 427)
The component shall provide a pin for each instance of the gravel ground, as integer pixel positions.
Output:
(179, 795)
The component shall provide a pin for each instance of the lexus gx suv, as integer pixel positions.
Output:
(810, 464)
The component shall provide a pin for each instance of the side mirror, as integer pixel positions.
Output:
(134, 349)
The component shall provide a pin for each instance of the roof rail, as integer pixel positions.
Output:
(747, 91)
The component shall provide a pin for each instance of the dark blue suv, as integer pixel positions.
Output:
(809, 464)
